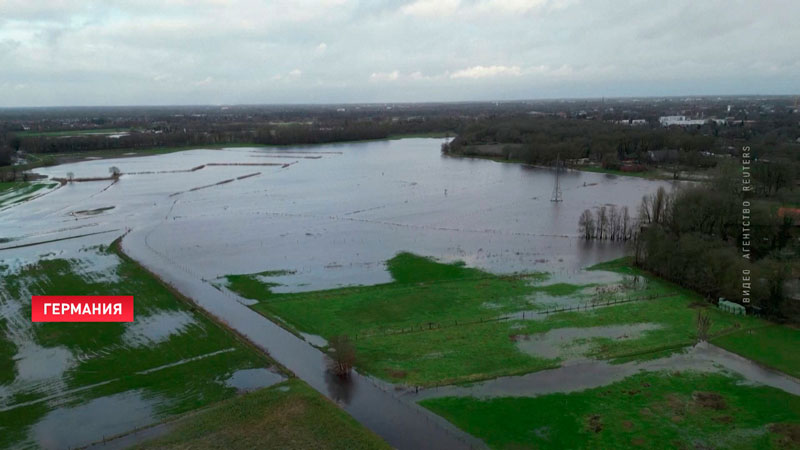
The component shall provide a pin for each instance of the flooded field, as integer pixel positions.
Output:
(310, 218)
(335, 219)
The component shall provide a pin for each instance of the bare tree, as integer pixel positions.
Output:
(70, 176)
(613, 223)
(342, 355)
(626, 224)
(586, 225)
(602, 223)
(703, 325)
(114, 171)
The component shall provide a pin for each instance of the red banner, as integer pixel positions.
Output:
(82, 308)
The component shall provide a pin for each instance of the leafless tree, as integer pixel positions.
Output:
(586, 225)
(703, 325)
(342, 355)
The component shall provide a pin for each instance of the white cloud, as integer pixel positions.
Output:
(487, 72)
(385, 76)
(431, 8)
(204, 82)
(321, 48)
(294, 73)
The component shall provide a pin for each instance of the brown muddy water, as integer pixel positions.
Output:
(330, 220)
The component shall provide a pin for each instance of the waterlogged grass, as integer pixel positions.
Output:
(771, 345)
(7, 351)
(649, 410)
(437, 323)
(172, 355)
(289, 415)
(425, 291)
(15, 192)
(254, 285)
(765, 342)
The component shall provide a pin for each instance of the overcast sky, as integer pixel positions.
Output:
(126, 52)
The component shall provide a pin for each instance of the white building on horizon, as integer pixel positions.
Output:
(682, 121)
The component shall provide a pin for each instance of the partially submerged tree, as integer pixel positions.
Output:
(342, 355)
(114, 171)
(70, 176)
(586, 225)
(703, 325)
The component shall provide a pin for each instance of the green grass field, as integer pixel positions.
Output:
(771, 345)
(649, 410)
(435, 323)
(767, 343)
(172, 357)
(289, 415)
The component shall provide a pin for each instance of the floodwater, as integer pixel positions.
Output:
(247, 380)
(331, 215)
(587, 374)
(573, 343)
(70, 427)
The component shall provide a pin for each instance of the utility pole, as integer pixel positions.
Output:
(557, 188)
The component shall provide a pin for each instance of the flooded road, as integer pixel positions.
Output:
(401, 424)
(323, 216)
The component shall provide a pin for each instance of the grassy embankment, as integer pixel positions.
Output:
(406, 331)
(647, 410)
(289, 415)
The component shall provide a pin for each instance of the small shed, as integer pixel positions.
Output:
(731, 307)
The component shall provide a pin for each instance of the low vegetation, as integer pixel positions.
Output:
(446, 323)
(289, 415)
(649, 410)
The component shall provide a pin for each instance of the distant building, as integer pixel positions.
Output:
(731, 307)
(632, 122)
(682, 121)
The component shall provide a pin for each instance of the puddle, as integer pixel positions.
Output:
(75, 426)
(251, 379)
(156, 328)
(36, 363)
(573, 343)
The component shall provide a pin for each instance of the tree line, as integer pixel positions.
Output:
(694, 237)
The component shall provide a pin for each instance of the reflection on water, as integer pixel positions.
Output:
(340, 389)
